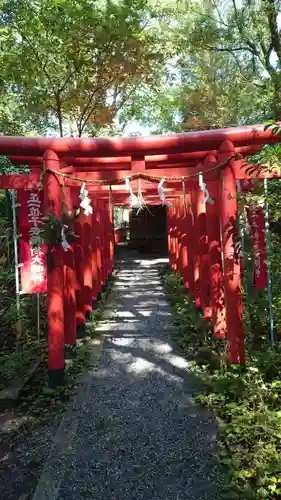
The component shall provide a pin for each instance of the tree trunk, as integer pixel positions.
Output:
(59, 114)
(277, 99)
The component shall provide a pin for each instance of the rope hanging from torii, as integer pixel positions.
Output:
(141, 175)
(135, 201)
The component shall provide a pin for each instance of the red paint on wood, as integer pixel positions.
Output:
(180, 235)
(69, 281)
(192, 141)
(95, 274)
(184, 243)
(99, 256)
(172, 235)
(176, 248)
(197, 197)
(169, 235)
(79, 266)
(232, 264)
(214, 251)
(52, 202)
(189, 222)
(204, 261)
(87, 262)
(99, 162)
(111, 238)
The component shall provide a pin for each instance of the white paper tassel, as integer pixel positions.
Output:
(85, 200)
(64, 242)
(161, 191)
(203, 187)
(134, 202)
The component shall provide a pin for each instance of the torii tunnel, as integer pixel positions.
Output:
(201, 236)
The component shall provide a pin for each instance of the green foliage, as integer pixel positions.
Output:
(15, 364)
(221, 71)
(6, 167)
(93, 67)
(268, 158)
(247, 402)
(73, 64)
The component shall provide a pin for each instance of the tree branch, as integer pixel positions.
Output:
(43, 65)
(232, 49)
(271, 14)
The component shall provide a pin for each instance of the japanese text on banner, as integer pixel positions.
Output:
(33, 258)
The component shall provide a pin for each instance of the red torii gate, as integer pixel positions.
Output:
(196, 230)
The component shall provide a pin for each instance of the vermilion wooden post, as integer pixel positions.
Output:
(232, 263)
(102, 245)
(196, 208)
(174, 237)
(203, 256)
(87, 270)
(69, 281)
(189, 221)
(106, 241)
(95, 272)
(79, 270)
(214, 249)
(184, 243)
(169, 236)
(178, 225)
(181, 236)
(111, 238)
(173, 242)
(52, 204)
(99, 257)
(177, 234)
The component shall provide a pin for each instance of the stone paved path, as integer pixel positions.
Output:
(140, 434)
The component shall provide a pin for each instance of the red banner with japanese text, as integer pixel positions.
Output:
(32, 258)
(257, 223)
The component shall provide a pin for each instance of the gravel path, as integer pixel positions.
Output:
(140, 434)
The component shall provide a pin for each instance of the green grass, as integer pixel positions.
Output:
(247, 402)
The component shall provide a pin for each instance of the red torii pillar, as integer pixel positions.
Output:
(180, 235)
(55, 281)
(203, 257)
(177, 235)
(69, 281)
(189, 222)
(173, 242)
(111, 236)
(172, 228)
(184, 243)
(106, 242)
(99, 251)
(232, 262)
(102, 244)
(79, 267)
(87, 264)
(95, 270)
(214, 251)
(196, 208)
(169, 229)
